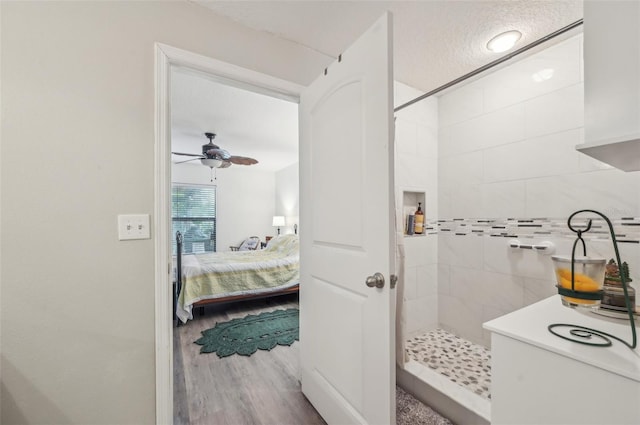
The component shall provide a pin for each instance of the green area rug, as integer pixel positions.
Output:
(246, 335)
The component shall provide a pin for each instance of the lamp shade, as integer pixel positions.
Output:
(278, 220)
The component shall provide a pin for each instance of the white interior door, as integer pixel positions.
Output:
(346, 190)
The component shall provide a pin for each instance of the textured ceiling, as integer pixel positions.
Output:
(434, 41)
(246, 123)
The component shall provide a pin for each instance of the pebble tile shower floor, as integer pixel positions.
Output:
(462, 361)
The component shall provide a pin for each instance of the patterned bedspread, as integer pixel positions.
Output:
(220, 274)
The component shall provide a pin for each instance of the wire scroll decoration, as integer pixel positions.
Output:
(582, 334)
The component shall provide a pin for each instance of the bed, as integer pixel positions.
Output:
(215, 277)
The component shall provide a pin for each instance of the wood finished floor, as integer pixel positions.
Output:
(262, 389)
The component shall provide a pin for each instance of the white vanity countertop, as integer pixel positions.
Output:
(529, 325)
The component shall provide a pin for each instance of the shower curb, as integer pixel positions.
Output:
(457, 409)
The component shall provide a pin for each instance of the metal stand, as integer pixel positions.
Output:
(581, 334)
(179, 241)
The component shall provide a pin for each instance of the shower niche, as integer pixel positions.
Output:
(411, 200)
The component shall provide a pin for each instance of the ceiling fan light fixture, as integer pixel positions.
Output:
(211, 162)
(504, 41)
(213, 156)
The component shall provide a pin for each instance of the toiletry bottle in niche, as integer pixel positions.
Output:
(419, 220)
(411, 224)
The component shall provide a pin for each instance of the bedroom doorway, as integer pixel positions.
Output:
(216, 209)
(336, 107)
(270, 187)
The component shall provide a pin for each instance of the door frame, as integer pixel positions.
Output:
(166, 57)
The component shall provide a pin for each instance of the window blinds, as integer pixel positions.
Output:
(193, 212)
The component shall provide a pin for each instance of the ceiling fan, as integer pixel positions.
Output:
(214, 157)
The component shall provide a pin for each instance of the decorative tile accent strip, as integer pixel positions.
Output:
(462, 361)
(627, 229)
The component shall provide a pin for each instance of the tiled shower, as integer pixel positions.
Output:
(496, 160)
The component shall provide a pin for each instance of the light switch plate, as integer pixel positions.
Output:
(133, 226)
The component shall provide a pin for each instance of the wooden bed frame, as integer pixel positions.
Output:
(290, 290)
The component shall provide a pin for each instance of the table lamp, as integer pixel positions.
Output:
(278, 221)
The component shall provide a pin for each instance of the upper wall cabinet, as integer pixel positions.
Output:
(612, 82)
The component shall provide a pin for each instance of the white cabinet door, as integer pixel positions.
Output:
(346, 222)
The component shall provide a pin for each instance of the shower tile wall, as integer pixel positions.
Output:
(417, 171)
(507, 150)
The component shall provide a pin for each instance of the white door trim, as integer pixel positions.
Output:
(166, 57)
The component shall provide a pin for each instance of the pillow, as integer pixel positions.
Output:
(293, 247)
(283, 243)
(249, 244)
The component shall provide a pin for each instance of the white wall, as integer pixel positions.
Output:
(506, 151)
(287, 197)
(77, 307)
(244, 200)
(416, 170)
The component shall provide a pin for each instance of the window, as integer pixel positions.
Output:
(193, 213)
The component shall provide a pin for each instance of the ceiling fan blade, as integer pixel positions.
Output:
(225, 164)
(219, 153)
(187, 160)
(242, 160)
(188, 154)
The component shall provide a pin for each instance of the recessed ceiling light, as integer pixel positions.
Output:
(504, 41)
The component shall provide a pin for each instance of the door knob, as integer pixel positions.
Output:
(376, 280)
